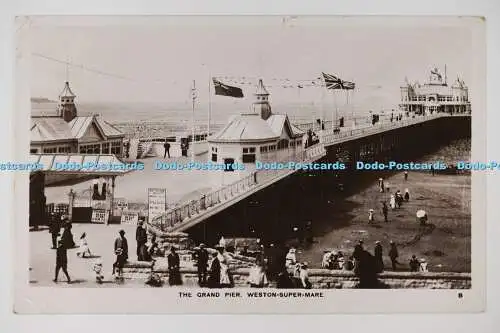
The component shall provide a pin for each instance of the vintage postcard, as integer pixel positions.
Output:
(250, 164)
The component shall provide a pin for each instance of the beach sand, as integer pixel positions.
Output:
(445, 244)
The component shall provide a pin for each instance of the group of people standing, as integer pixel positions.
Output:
(396, 200)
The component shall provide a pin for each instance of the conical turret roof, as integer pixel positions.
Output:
(66, 92)
(261, 90)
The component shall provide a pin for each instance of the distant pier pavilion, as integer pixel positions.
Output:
(435, 96)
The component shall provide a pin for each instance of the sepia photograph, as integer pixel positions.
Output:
(247, 159)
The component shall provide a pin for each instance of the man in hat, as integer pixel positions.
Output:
(202, 264)
(174, 275)
(141, 238)
(121, 252)
(54, 229)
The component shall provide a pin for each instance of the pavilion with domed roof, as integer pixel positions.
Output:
(259, 135)
(435, 96)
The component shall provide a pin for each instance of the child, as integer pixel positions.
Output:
(98, 272)
(84, 247)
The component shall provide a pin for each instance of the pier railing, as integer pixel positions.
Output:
(185, 212)
(327, 137)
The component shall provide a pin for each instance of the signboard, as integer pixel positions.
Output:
(157, 202)
(121, 203)
(129, 218)
(100, 216)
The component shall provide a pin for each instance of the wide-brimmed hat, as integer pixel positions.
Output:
(377, 242)
(292, 250)
(202, 245)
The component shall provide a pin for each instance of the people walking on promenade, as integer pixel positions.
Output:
(225, 274)
(67, 236)
(385, 211)
(407, 195)
(166, 145)
(393, 255)
(54, 229)
(214, 276)
(141, 238)
(392, 202)
(406, 176)
(174, 274)
(62, 261)
(84, 246)
(202, 264)
(121, 252)
(378, 253)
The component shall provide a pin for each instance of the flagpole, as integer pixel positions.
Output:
(322, 104)
(209, 104)
(192, 121)
(334, 108)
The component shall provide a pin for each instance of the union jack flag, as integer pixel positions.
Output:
(332, 82)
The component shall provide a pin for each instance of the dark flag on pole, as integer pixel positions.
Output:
(225, 90)
(333, 82)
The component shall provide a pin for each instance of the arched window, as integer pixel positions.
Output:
(283, 144)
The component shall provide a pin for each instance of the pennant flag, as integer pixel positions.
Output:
(332, 82)
(225, 90)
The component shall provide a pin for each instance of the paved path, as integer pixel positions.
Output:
(100, 239)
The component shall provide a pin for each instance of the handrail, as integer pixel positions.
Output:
(180, 214)
(329, 138)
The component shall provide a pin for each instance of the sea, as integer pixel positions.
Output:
(179, 118)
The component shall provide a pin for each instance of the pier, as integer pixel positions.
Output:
(381, 141)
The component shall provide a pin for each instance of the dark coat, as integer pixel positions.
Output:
(121, 243)
(378, 251)
(202, 259)
(214, 276)
(173, 261)
(62, 256)
(67, 238)
(141, 235)
(393, 252)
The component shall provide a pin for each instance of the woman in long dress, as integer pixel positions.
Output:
(225, 279)
(392, 202)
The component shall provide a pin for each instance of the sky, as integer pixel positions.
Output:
(158, 59)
